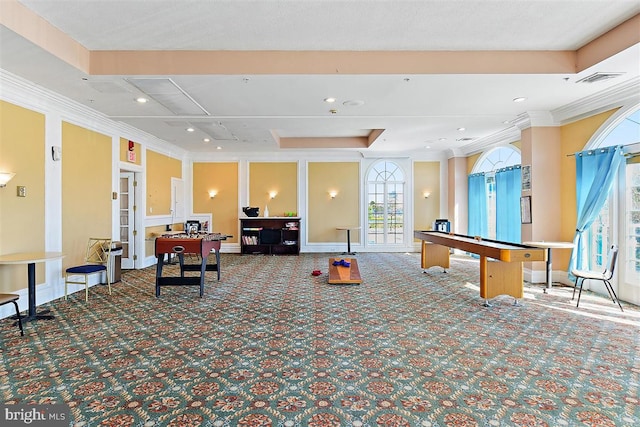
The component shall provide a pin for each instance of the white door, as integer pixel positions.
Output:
(127, 219)
(629, 256)
(177, 200)
(385, 204)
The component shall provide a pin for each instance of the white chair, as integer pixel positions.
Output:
(96, 262)
(605, 276)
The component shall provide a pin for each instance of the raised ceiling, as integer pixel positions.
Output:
(253, 76)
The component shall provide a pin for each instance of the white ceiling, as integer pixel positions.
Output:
(416, 110)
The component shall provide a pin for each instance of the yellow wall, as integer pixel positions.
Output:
(124, 150)
(471, 162)
(426, 178)
(160, 170)
(86, 190)
(22, 151)
(325, 214)
(223, 179)
(281, 177)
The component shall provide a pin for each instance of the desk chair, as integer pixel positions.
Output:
(605, 276)
(6, 299)
(96, 261)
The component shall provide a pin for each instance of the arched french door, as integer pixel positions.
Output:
(385, 204)
(618, 221)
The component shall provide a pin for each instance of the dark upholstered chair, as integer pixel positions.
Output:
(96, 262)
(6, 299)
(604, 276)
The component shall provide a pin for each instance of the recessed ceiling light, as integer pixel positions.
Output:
(218, 148)
(206, 140)
(506, 122)
(190, 129)
(519, 99)
(329, 100)
(442, 139)
(141, 100)
(462, 129)
(428, 146)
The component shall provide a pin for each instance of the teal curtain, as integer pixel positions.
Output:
(508, 190)
(595, 173)
(477, 214)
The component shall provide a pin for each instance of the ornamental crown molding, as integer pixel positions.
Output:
(616, 96)
(503, 137)
(22, 92)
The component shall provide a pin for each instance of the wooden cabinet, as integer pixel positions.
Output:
(271, 236)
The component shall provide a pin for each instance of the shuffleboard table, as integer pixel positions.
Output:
(199, 244)
(502, 276)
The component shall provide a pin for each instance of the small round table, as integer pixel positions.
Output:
(31, 258)
(348, 238)
(548, 246)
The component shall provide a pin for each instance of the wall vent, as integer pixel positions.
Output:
(598, 77)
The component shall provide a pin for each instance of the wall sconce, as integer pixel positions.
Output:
(212, 193)
(333, 194)
(426, 194)
(273, 194)
(5, 177)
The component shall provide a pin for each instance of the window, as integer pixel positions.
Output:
(632, 224)
(385, 204)
(619, 219)
(489, 163)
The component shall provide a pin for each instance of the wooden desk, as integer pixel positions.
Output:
(31, 258)
(548, 246)
(502, 277)
(339, 274)
(200, 244)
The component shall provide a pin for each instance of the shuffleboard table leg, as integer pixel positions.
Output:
(486, 303)
(516, 303)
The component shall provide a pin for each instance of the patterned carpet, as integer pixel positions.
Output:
(271, 345)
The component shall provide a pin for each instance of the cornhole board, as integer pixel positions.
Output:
(341, 275)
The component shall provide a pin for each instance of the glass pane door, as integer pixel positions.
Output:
(385, 204)
(127, 222)
(631, 245)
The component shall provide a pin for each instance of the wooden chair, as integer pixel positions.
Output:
(96, 262)
(6, 299)
(605, 276)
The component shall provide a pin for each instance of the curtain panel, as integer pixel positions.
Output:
(508, 190)
(595, 174)
(477, 215)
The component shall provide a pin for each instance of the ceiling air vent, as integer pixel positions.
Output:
(166, 92)
(598, 77)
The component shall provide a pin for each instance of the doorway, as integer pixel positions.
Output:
(385, 204)
(127, 219)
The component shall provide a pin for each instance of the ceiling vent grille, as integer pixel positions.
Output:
(217, 131)
(166, 92)
(598, 77)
